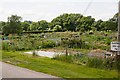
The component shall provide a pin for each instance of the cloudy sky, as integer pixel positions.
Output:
(36, 10)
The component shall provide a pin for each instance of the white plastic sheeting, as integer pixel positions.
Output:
(45, 53)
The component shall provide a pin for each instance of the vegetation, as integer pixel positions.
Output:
(82, 59)
(27, 44)
(99, 40)
(13, 25)
(74, 32)
(64, 22)
(54, 67)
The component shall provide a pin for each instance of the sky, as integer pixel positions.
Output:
(36, 10)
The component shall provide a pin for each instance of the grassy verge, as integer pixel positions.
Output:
(0, 55)
(54, 67)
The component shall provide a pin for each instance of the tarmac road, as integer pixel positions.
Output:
(11, 71)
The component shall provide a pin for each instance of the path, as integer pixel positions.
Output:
(11, 71)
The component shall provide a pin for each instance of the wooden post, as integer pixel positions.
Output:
(119, 26)
(118, 53)
(66, 52)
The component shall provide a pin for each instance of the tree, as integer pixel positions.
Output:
(57, 28)
(67, 21)
(73, 22)
(25, 26)
(43, 25)
(97, 25)
(34, 26)
(109, 25)
(2, 24)
(85, 23)
(13, 25)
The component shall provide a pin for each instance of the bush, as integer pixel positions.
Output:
(74, 43)
(5, 45)
(47, 44)
(8, 46)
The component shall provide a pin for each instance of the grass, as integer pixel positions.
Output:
(0, 55)
(54, 67)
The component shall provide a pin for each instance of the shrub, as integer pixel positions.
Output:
(5, 45)
(8, 46)
(74, 43)
(47, 44)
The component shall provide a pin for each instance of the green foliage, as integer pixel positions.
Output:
(40, 25)
(54, 67)
(78, 22)
(73, 22)
(74, 43)
(13, 25)
(25, 26)
(47, 44)
(57, 28)
(38, 32)
(99, 40)
(27, 44)
(103, 63)
(2, 24)
(95, 62)
(43, 25)
(109, 25)
(97, 25)
(34, 26)
(66, 22)
(81, 59)
(5, 45)
(64, 58)
(108, 41)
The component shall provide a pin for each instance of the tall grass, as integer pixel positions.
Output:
(80, 59)
(103, 63)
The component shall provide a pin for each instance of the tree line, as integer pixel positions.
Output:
(64, 22)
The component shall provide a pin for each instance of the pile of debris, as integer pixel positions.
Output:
(98, 53)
